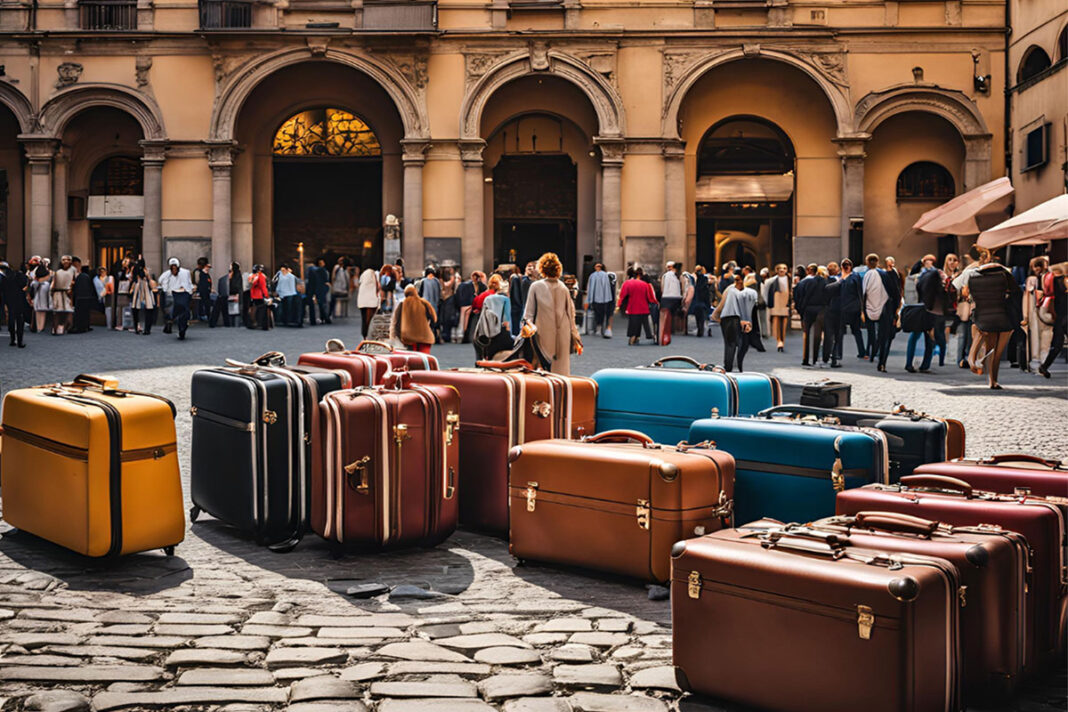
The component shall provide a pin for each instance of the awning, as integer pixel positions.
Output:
(969, 213)
(745, 188)
(1042, 223)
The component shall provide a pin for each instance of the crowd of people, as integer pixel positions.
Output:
(990, 308)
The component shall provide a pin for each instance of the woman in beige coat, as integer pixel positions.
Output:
(551, 310)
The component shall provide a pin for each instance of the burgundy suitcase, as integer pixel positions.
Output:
(399, 359)
(1007, 474)
(993, 568)
(364, 370)
(952, 501)
(809, 624)
(388, 474)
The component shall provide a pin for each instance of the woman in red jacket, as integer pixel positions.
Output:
(257, 292)
(635, 296)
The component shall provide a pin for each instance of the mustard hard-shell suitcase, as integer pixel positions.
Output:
(92, 467)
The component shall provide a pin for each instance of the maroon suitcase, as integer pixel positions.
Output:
(993, 568)
(810, 624)
(953, 502)
(364, 370)
(399, 359)
(390, 457)
(1007, 474)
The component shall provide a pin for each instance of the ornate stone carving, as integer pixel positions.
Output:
(220, 155)
(612, 149)
(751, 49)
(224, 65)
(141, 67)
(602, 62)
(676, 65)
(69, 73)
(954, 105)
(471, 151)
(317, 45)
(412, 67)
(539, 56)
(414, 150)
(479, 63)
(830, 64)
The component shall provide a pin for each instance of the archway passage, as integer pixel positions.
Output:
(327, 187)
(11, 175)
(534, 208)
(745, 193)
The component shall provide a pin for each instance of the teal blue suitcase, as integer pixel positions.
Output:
(792, 470)
(754, 392)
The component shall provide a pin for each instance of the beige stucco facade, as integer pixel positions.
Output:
(602, 104)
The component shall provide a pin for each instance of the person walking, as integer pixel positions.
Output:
(258, 293)
(1039, 333)
(932, 292)
(912, 299)
(811, 299)
(734, 315)
(779, 291)
(635, 296)
(339, 287)
(882, 298)
(600, 296)
(62, 303)
(121, 274)
(492, 334)
(202, 282)
(702, 299)
(13, 286)
(1058, 281)
(833, 331)
(992, 288)
(429, 288)
(105, 288)
(142, 298)
(41, 293)
(368, 299)
(851, 293)
(317, 291)
(413, 322)
(84, 296)
(289, 311)
(550, 308)
(670, 299)
(177, 285)
(465, 297)
(515, 298)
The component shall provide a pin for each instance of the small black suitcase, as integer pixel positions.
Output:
(255, 434)
(826, 394)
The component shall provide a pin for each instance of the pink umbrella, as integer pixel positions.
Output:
(970, 212)
(1042, 223)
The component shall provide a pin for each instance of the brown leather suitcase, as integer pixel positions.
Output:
(390, 458)
(953, 501)
(574, 402)
(399, 359)
(500, 407)
(615, 501)
(993, 565)
(810, 624)
(364, 369)
(1007, 474)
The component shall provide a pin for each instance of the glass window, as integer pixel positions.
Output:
(1035, 62)
(326, 133)
(118, 175)
(745, 145)
(925, 180)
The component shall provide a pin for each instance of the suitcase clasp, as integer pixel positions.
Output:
(452, 424)
(642, 512)
(360, 482)
(400, 433)
(693, 584)
(270, 417)
(450, 484)
(865, 622)
(541, 409)
(837, 478)
(532, 496)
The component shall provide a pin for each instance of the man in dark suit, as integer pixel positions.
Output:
(882, 299)
(802, 292)
(317, 290)
(13, 284)
(851, 304)
(832, 319)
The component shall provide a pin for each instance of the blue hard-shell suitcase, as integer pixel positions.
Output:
(792, 470)
(754, 391)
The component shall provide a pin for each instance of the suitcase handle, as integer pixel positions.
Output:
(398, 380)
(101, 382)
(617, 436)
(388, 348)
(937, 482)
(803, 540)
(1020, 457)
(893, 522)
(271, 358)
(518, 364)
(659, 363)
(334, 346)
(796, 410)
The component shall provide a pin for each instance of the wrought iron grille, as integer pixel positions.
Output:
(225, 14)
(108, 14)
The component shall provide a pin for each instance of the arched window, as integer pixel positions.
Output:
(118, 175)
(1062, 45)
(745, 145)
(925, 180)
(326, 133)
(1035, 61)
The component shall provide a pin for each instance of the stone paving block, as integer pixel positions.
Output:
(415, 667)
(325, 687)
(30, 641)
(540, 639)
(56, 701)
(124, 629)
(313, 642)
(587, 677)
(433, 686)
(84, 673)
(353, 633)
(646, 628)
(174, 696)
(65, 615)
(565, 625)
(613, 625)
(446, 630)
(231, 676)
(363, 672)
(423, 651)
(102, 651)
(328, 706)
(234, 642)
(549, 605)
(507, 685)
(537, 704)
(600, 640)
(199, 618)
(507, 656)
(138, 641)
(472, 627)
(392, 620)
(124, 618)
(275, 631)
(39, 659)
(284, 675)
(432, 705)
(593, 702)
(656, 641)
(268, 618)
(301, 657)
(5, 614)
(573, 653)
(479, 641)
(661, 677)
(190, 657)
(192, 630)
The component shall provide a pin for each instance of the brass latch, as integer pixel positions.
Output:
(452, 424)
(307, 438)
(358, 483)
(450, 484)
(193, 410)
(400, 433)
(541, 409)
(693, 584)
(715, 412)
(270, 417)
(642, 511)
(837, 478)
(865, 622)
(962, 593)
(158, 453)
(532, 495)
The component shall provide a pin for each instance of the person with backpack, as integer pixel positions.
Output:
(492, 334)
(1055, 289)
(992, 289)
(413, 322)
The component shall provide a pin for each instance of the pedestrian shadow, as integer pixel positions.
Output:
(139, 574)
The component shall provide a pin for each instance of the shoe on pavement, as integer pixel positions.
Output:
(910, 369)
(835, 364)
(1041, 369)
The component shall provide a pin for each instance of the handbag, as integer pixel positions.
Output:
(914, 318)
(233, 307)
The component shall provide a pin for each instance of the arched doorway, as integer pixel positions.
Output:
(11, 172)
(327, 187)
(116, 185)
(745, 193)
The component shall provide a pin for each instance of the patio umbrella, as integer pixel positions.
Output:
(970, 212)
(1042, 223)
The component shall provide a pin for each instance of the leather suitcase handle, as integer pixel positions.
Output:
(685, 359)
(102, 382)
(518, 364)
(1020, 457)
(893, 522)
(334, 346)
(937, 482)
(371, 342)
(618, 436)
(797, 410)
(397, 379)
(271, 358)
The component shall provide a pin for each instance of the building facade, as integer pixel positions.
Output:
(695, 130)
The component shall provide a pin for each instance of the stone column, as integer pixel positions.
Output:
(60, 242)
(675, 202)
(152, 222)
(851, 151)
(39, 153)
(221, 161)
(611, 202)
(412, 227)
(473, 249)
(976, 161)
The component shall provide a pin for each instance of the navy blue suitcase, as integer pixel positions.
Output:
(792, 470)
(754, 392)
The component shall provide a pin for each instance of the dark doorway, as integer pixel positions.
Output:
(534, 208)
(754, 234)
(113, 240)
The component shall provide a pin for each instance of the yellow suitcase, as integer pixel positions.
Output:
(92, 468)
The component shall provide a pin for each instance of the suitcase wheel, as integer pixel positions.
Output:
(168, 550)
(194, 513)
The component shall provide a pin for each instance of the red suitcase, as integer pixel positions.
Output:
(388, 474)
(954, 502)
(399, 359)
(810, 624)
(993, 568)
(1006, 474)
(365, 370)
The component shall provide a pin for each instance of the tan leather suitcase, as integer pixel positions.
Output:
(616, 501)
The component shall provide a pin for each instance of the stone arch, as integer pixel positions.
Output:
(238, 87)
(605, 100)
(61, 108)
(834, 92)
(19, 105)
(953, 106)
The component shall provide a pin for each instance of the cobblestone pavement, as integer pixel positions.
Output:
(227, 625)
